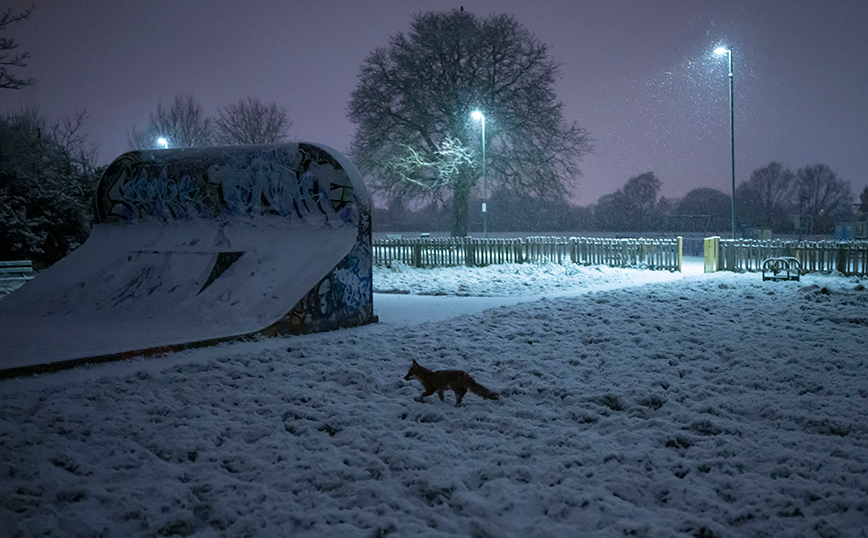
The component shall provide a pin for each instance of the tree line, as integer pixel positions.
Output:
(773, 198)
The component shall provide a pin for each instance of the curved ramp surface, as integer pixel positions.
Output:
(198, 246)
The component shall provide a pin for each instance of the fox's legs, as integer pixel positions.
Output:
(459, 394)
(429, 393)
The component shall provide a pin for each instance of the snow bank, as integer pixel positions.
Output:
(511, 280)
(714, 405)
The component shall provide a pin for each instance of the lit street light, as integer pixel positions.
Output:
(479, 116)
(728, 51)
(163, 142)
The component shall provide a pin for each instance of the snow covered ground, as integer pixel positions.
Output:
(632, 404)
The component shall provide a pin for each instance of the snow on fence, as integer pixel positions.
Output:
(660, 254)
(846, 257)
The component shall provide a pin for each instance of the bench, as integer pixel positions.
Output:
(16, 270)
(784, 268)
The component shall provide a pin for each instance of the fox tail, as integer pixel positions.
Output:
(478, 389)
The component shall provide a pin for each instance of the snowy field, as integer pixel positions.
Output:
(632, 404)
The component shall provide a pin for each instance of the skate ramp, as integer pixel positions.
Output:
(197, 246)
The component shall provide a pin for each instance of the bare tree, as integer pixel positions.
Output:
(249, 121)
(825, 196)
(703, 209)
(182, 124)
(9, 57)
(767, 197)
(413, 104)
(630, 208)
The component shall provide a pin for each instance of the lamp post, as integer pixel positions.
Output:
(479, 116)
(163, 142)
(728, 51)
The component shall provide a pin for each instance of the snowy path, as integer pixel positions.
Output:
(713, 405)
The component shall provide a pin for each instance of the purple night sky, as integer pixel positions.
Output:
(639, 74)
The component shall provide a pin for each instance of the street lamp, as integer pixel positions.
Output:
(479, 116)
(163, 142)
(728, 51)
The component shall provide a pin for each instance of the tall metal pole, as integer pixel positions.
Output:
(479, 116)
(731, 138)
(484, 192)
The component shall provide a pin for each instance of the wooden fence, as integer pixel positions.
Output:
(659, 254)
(846, 257)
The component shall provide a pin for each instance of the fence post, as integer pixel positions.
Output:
(711, 252)
(730, 259)
(841, 258)
(417, 254)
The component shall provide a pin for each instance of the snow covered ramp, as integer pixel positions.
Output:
(197, 246)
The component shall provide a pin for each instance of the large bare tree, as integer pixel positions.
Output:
(9, 55)
(412, 106)
(249, 121)
(182, 124)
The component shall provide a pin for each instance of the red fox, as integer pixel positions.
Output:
(438, 381)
